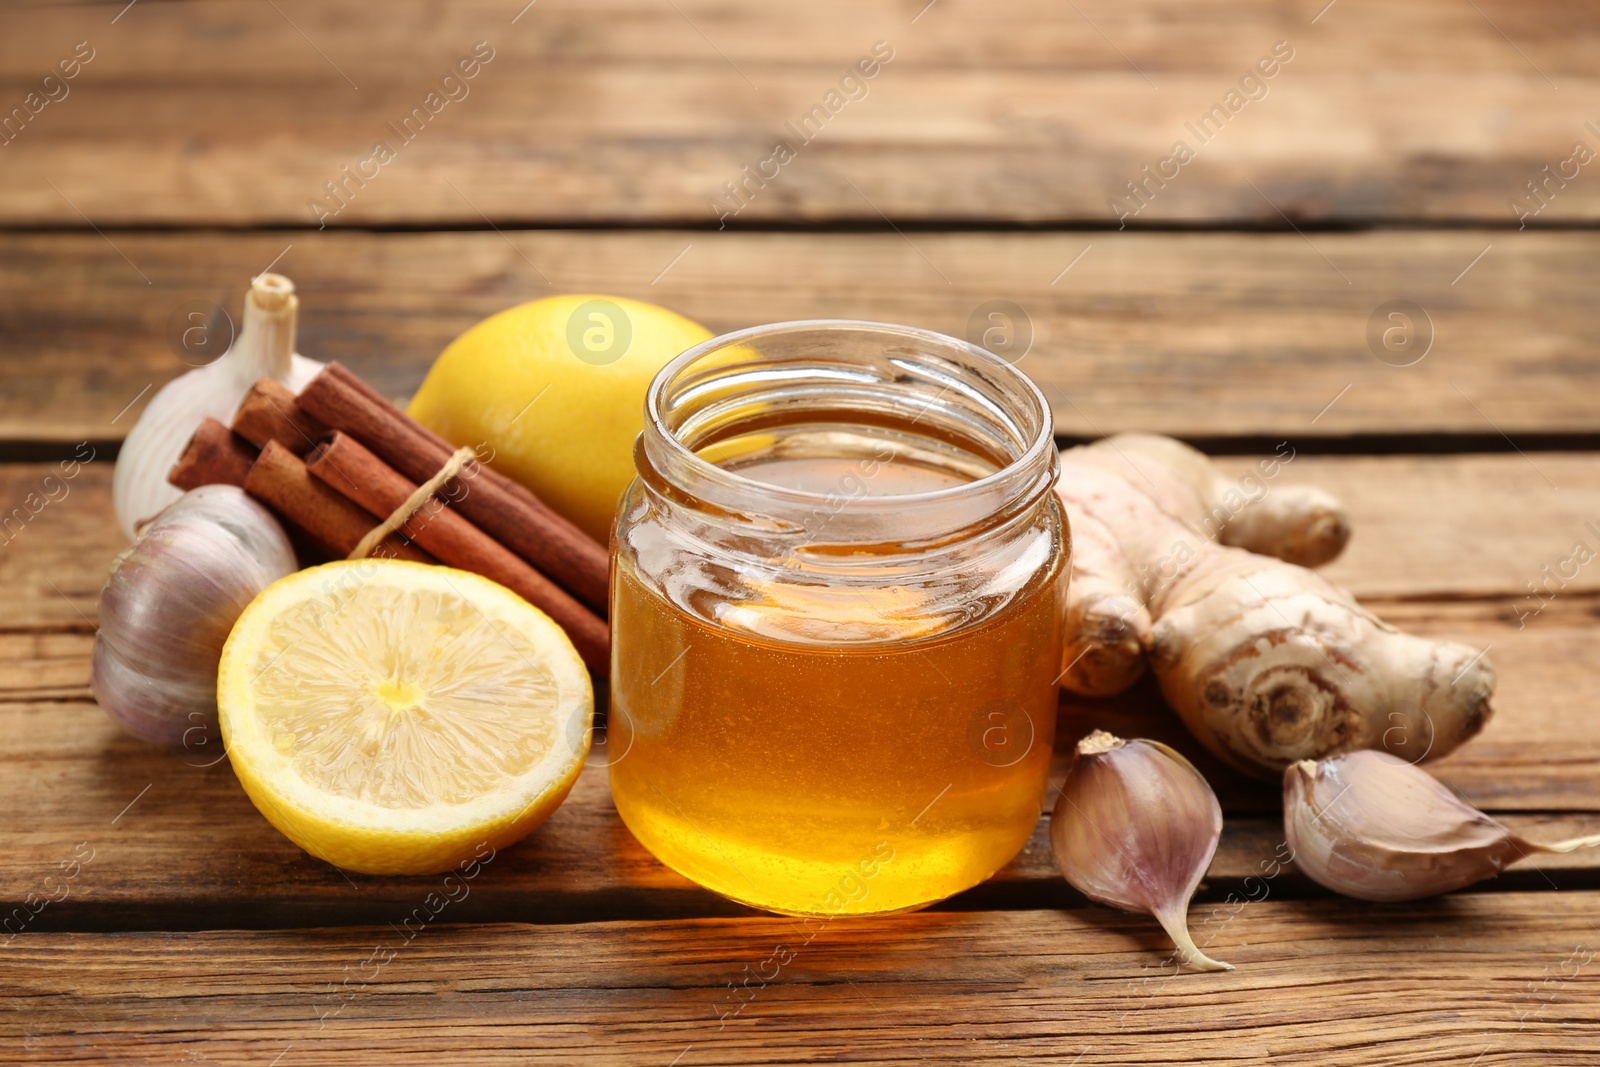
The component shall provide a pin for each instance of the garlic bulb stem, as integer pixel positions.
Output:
(1571, 845)
(266, 337)
(264, 348)
(1175, 921)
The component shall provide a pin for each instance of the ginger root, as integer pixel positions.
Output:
(1267, 662)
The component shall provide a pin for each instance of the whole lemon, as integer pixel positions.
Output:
(556, 387)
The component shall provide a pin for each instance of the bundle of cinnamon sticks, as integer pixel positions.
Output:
(338, 459)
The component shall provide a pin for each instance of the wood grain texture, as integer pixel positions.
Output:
(1459, 527)
(1187, 334)
(228, 115)
(177, 845)
(1484, 980)
(198, 853)
(1424, 530)
(236, 114)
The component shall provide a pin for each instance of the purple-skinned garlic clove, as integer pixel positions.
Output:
(1135, 828)
(1372, 826)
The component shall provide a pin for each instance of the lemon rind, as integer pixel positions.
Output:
(306, 813)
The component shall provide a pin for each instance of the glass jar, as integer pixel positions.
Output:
(837, 593)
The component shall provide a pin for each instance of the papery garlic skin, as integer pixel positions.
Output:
(1372, 826)
(1135, 828)
(169, 605)
(264, 348)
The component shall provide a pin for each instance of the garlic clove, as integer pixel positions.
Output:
(264, 348)
(1372, 826)
(169, 605)
(152, 707)
(1135, 828)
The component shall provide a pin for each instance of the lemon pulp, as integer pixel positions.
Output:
(389, 721)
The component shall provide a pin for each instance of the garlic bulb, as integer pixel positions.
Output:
(1135, 828)
(1372, 826)
(263, 349)
(169, 605)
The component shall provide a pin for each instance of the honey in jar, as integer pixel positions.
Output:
(836, 609)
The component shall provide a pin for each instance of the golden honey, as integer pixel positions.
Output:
(836, 626)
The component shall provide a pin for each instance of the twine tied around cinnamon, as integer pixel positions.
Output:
(408, 507)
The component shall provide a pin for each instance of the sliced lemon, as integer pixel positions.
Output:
(392, 717)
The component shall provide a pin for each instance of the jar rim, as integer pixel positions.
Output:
(1015, 480)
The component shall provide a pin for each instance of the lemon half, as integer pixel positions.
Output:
(392, 717)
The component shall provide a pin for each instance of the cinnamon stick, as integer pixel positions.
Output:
(354, 471)
(335, 525)
(214, 455)
(498, 506)
(268, 412)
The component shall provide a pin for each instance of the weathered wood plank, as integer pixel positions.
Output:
(236, 114)
(1485, 980)
(1440, 528)
(192, 851)
(176, 844)
(1201, 335)
(1469, 526)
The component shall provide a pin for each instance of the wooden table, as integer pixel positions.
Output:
(1387, 159)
